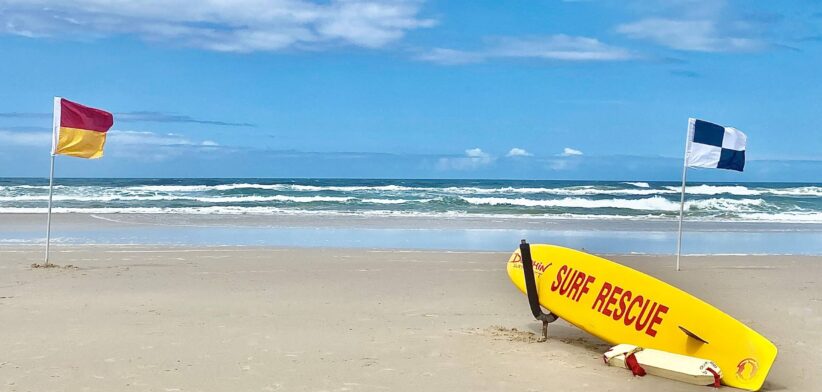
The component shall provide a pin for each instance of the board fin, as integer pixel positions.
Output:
(691, 334)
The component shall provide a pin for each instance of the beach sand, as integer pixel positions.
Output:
(149, 318)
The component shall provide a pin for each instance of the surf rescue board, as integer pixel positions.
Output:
(621, 305)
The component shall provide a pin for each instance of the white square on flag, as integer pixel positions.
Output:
(734, 139)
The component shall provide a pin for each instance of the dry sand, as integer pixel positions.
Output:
(252, 319)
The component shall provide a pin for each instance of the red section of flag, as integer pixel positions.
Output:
(74, 115)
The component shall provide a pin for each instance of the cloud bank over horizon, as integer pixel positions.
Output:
(175, 155)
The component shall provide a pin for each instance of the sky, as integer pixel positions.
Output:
(548, 89)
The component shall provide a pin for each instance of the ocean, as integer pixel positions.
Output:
(583, 200)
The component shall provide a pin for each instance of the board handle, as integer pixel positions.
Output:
(531, 289)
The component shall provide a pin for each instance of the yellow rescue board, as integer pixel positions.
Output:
(622, 305)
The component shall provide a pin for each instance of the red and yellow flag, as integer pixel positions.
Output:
(79, 131)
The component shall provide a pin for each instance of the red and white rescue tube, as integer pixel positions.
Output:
(678, 367)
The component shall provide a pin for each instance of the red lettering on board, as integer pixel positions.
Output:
(603, 294)
(612, 299)
(618, 304)
(541, 267)
(640, 323)
(566, 284)
(584, 289)
(657, 319)
(560, 273)
(571, 283)
(619, 312)
(628, 319)
(578, 279)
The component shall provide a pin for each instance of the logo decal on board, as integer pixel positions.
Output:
(746, 369)
(539, 267)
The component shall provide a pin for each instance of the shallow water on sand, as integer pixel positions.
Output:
(599, 241)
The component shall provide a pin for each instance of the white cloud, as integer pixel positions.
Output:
(570, 152)
(132, 144)
(476, 153)
(569, 159)
(474, 158)
(518, 152)
(559, 47)
(451, 56)
(153, 146)
(28, 139)
(138, 138)
(700, 35)
(220, 25)
(558, 164)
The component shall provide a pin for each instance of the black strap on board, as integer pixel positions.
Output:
(531, 289)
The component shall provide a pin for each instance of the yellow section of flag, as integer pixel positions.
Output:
(80, 143)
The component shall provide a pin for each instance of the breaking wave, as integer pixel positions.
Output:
(435, 198)
(655, 203)
(638, 184)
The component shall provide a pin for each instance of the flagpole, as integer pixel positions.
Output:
(48, 221)
(681, 212)
(682, 197)
(55, 132)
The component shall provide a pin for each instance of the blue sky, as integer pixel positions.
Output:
(414, 89)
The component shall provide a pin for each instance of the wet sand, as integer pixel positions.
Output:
(150, 318)
(466, 234)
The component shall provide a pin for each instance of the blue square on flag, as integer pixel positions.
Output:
(731, 160)
(714, 146)
(708, 133)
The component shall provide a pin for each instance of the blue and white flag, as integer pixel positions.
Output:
(714, 146)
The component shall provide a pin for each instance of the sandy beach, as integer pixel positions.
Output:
(150, 318)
